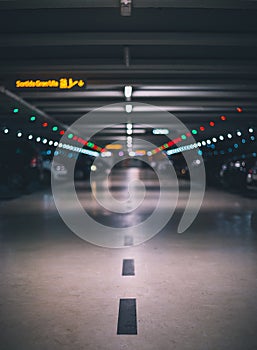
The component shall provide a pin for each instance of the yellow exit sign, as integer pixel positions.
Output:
(62, 83)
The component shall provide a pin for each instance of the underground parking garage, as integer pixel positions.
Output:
(128, 162)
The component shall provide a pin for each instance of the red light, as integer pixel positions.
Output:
(33, 162)
(202, 128)
(45, 125)
(188, 134)
(239, 110)
(62, 132)
(212, 123)
(170, 143)
(223, 117)
(75, 138)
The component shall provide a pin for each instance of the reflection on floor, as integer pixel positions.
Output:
(195, 290)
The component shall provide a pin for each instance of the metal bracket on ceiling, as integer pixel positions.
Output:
(125, 7)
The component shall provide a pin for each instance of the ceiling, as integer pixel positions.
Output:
(196, 59)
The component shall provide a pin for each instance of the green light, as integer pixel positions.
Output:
(15, 110)
(194, 132)
(32, 118)
(90, 144)
(70, 136)
(183, 137)
(55, 128)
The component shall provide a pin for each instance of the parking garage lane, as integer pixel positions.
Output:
(195, 290)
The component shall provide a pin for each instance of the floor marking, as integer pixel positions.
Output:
(127, 320)
(128, 267)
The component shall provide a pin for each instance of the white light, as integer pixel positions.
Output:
(128, 91)
(239, 133)
(128, 108)
(129, 126)
(199, 144)
(50, 143)
(106, 154)
(132, 154)
(221, 137)
(60, 145)
(6, 131)
(203, 143)
(129, 131)
(44, 141)
(30, 137)
(149, 153)
(93, 167)
(214, 139)
(38, 139)
(129, 138)
(19, 134)
(56, 143)
(161, 131)
(250, 130)
(229, 136)
(208, 142)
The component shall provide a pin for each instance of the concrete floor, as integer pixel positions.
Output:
(194, 291)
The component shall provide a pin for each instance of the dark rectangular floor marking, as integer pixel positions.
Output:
(128, 267)
(128, 241)
(127, 321)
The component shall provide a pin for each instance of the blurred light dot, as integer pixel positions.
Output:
(44, 141)
(194, 132)
(19, 134)
(48, 152)
(239, 133)
(15, 110)
(56, 143)
(6, 131)
(30, 137)
(45, 125)
(229, 136)
(203, 143)
(200, 152)
(230, 150)
(202, 128)
(208, 142)
(62, 132)
(50, 143)
(212, 123)
(221, 137)
(214, 139)
(239, 110)
(250, 130)
(223, 117)
(243, 141)
(32, 118)
(252, 138)
(199, 144)
(236, 145)
(254, 154)
(183, 137)
(70, 136)
(55, 128)
(38, 139)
